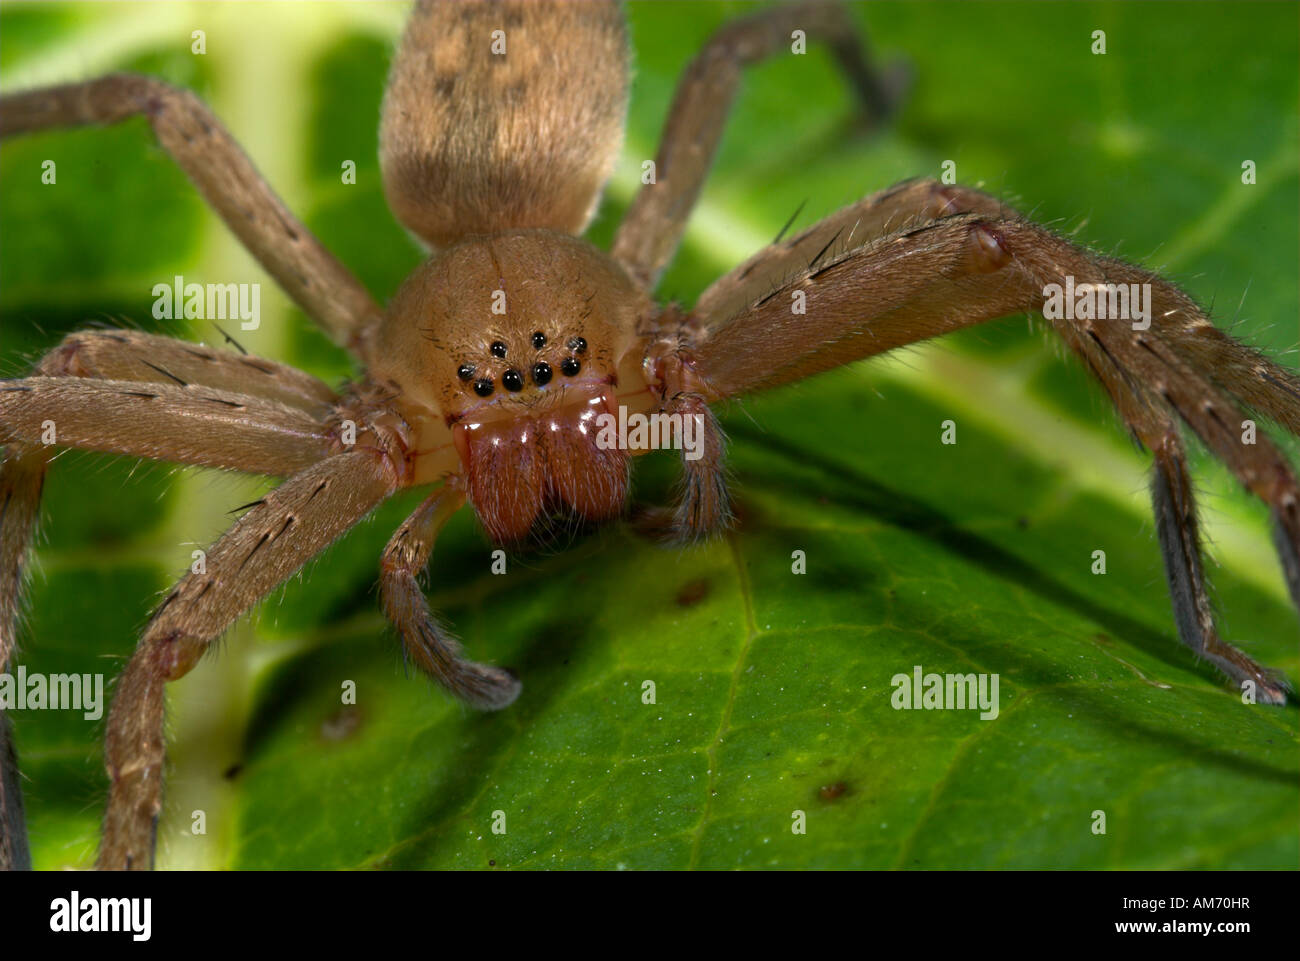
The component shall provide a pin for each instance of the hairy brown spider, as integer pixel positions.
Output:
(488, 374)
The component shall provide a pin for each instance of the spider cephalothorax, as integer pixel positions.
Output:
(517, 364)
(485, 377)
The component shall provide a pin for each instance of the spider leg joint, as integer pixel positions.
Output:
(988, 248)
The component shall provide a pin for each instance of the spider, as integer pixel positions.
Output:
(488, 373)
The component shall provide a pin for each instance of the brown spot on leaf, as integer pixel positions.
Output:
(693, 592)
(833, 792)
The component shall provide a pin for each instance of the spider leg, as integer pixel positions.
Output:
(1180, 544)
(1286, 538)
(14, 853)
(22, 475)
(226, 178)
(70, 391)
(968, 268)
(149, 358)
(703, 503)
(1242, 372)
(1153, 424)
(703, 506)
(1208, 398)
(433, 649)
(284, 398)
(291, 525)
(1258, 465)
(185, 425)
(653, 226)
(896, 209)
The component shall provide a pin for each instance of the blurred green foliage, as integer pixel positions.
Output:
(772, 689)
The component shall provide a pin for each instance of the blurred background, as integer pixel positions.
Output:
(773, 690)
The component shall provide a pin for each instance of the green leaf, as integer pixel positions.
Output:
(772, 689)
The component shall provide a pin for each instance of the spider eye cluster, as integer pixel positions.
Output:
(512, 379)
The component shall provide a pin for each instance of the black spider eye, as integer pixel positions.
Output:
(498, 349)
(539, 340)
(578, 345)
(465, 371)
(570, 366)
(512, 380)
(541, 374)
(483, 387)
